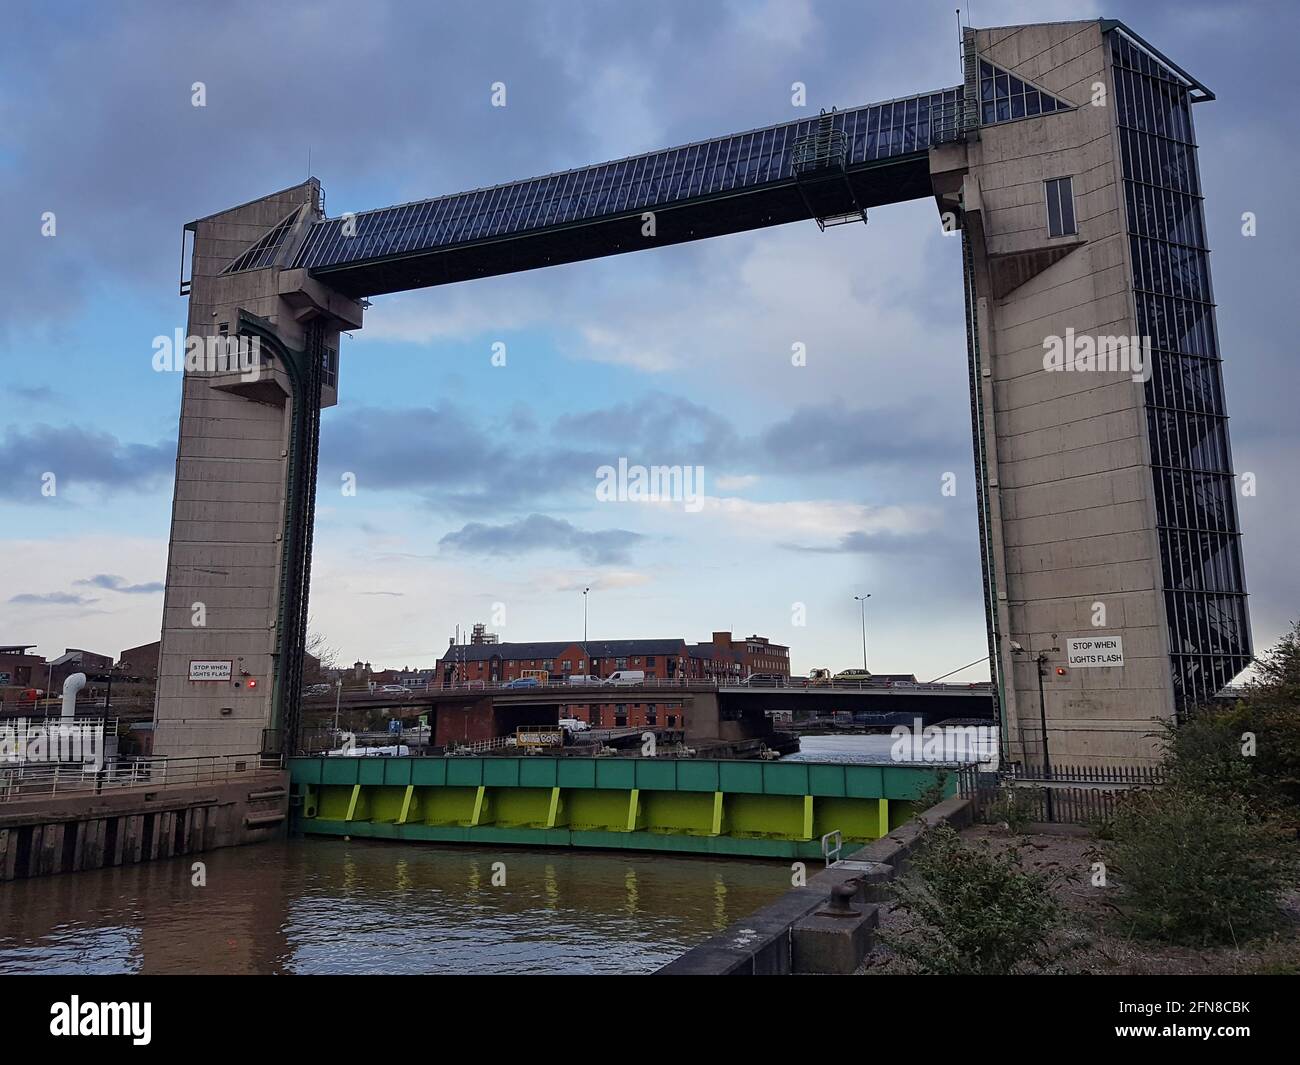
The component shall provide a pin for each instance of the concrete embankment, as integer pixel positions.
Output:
(826, 927)
(45, 834)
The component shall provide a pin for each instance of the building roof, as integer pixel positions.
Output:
(482, 652)
(622, 648)
(712, 652)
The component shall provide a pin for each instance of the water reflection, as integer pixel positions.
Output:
(327, 906)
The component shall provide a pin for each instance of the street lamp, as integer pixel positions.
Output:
(108, 695)
(863, 600)
(1040, 660)
(338, 694)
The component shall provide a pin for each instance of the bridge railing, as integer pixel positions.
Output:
(665, 683)
(23, 780)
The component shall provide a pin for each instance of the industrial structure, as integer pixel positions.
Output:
(1114, 586)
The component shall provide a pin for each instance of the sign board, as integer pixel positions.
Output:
(207, 669)
(539, 737)
(1095, 651)
(5, 678)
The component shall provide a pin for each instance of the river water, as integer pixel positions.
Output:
(336, 906)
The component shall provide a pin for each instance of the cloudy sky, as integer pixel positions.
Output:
(476, 482)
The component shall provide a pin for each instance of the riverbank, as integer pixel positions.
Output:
(1094, 938)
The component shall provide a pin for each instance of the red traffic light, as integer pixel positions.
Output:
(252, 682)
(1060, 672)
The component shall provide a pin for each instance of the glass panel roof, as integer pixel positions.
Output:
(639, 183)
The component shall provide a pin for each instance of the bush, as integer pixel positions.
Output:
(1198, 870)
(934, 794)
(977, 912)
(1017, 807)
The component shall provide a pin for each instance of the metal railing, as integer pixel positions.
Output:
(1064, 794)
(731, 683)
(20, 780)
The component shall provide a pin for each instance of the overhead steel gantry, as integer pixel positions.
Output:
(830, 166)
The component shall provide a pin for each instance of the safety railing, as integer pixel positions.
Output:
(29, 779)
(667, 683)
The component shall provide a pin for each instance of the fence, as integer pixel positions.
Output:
(31, 779)
(1065, 794)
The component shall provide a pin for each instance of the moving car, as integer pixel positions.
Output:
(522, 682)
(394, 689)
(574, 724)
(626, 676)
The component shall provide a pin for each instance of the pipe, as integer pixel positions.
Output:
(71, 686)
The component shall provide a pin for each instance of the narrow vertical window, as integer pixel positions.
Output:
(1060, 207)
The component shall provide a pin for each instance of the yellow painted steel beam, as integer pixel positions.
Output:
(480, 800)
(353, 802)
(406, 804)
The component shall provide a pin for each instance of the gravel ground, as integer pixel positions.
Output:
(1094, 930)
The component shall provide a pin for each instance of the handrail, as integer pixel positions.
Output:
(677, 683)
(26, 779)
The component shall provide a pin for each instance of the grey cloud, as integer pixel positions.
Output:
(832, 436)
(658, 428)
(113, 583)
(449, 461)
(76, 457)
(539, 532)
(51, 599)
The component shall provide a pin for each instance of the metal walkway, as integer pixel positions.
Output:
(725, 185)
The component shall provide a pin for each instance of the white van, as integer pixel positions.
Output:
(626, 676)
(583, 678)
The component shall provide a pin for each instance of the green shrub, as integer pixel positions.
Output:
(934, 794)
(1017, 807)
(1197, 870)
(977, 912)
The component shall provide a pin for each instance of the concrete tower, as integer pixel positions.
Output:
(1107, 497)
(245, 477)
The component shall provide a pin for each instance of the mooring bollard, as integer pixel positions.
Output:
(841, 900)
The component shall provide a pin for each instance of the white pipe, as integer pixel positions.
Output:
(71, 686)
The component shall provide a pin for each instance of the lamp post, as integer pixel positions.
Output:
(338, 694)
(1040, 660)
(863, 600)
(108, 695)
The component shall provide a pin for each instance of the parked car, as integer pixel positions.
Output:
(522, 682)
(317, 689)
(626, 676)
(574, 724)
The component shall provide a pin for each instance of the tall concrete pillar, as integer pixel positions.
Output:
(239, 560)
(1106, 511)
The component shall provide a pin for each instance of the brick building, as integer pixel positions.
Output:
(664, 662)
